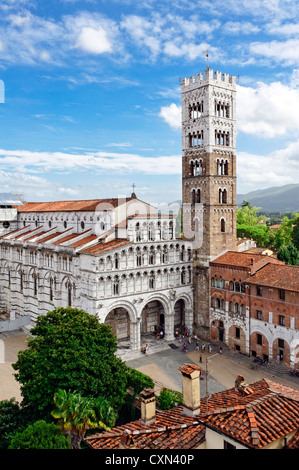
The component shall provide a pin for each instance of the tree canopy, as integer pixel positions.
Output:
(40, 435)
(70, 350)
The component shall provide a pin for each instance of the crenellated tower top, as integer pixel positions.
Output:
(210, 77)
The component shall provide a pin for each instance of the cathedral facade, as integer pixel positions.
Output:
(120, 259)
(117, 259)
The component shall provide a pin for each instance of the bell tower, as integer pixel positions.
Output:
(209, 176)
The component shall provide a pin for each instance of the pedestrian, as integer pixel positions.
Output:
(220, 350)
(196, 346)
(184, 347)
(278, 358)
(200, 358)
(210, 348)
(146, 349)
(189, 340)
(201, 376)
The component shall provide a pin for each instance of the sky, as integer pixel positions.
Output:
(90, 98)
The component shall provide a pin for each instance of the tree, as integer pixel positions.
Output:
(247, 215)
(289, 254)
(295, 232)
(169, 398)
(257, 233)
(71, 350)
(40, 435)
(77, 414)
(11, 421)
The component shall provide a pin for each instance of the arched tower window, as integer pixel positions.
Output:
(222, 225)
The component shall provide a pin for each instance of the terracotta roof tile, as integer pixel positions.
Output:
(242, 259)
(99, 248)
(70, 206)
(256, 419)
(280, 276)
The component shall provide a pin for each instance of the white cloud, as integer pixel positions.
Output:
(94, 41)
(263, 171)
(43, 162)
(270, 110)
(286, 52)
(237, 27)
(172, 115)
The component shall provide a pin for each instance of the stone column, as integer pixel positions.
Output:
(135, 336)
(189, 318)
(247, 331)
(169, 327)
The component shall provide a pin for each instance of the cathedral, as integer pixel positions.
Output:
(121, 259)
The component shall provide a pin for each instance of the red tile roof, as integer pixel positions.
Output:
(279, 276)
(171, 430)
(255, 416)
(242, 259)
(99, 248)
(70, 206)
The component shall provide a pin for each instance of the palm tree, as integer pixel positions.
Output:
(77, 414)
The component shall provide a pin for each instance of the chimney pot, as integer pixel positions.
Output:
(148, 406)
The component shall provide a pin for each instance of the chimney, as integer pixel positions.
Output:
(148, 406)
(191, 389)
(127, 441)
(242, 386)
(240, 381)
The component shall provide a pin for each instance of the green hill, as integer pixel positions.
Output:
(275, 199)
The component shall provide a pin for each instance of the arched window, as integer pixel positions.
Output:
(224, 196)
(222, 225)
(151, 281)
(116, 286)
(51, 289)
(198, 196)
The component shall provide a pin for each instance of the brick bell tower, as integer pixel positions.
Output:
(208, 177)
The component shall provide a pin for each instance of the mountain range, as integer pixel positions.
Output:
(275, 199)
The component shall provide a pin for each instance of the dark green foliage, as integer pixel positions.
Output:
(40, 435)
(295, 233)
(256, 233)
(169, 398)
(289, 254)
(12, 420)
(138, 381)
(72, 351)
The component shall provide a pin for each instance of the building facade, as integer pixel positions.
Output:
(255, 306)
(116, 258)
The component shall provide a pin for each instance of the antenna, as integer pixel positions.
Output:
(133, 193)
(207, 56)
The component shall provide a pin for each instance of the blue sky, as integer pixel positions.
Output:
(92, 94)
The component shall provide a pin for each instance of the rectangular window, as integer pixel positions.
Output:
(259, 315)
(281, 320)
(282, 294)
(281, 343)
(237, 333)
(259, 339)
(259, 291)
